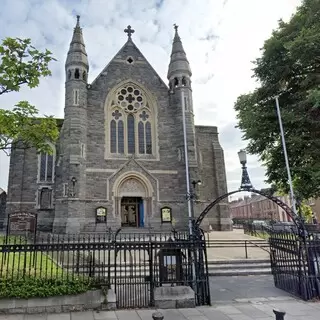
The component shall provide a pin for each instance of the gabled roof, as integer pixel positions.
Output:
(129, 44)
(2, 191)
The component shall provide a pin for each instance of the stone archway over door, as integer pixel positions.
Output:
(133, 202)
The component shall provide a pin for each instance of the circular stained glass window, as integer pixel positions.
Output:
(130, 98)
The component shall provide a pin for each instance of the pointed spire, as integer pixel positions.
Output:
(179, 64)
(77, 46)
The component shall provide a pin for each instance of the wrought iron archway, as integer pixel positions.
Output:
(296, 219)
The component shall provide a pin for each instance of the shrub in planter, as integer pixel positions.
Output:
(30, 287)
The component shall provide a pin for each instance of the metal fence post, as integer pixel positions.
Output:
(279, 314)
(246, 248)
(157, 316)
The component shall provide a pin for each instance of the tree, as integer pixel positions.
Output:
(290, 69)
(22, 64)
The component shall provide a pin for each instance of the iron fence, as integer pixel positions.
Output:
(295, 264)
(133, 265)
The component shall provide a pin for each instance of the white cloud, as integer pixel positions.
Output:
(221, 65)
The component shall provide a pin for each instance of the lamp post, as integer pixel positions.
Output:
(293, 200)
(245, 180)
(192, 196)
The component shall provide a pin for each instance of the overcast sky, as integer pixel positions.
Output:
(220, 37)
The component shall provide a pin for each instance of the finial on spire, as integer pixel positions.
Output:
(175, 27)
(129, 31)
(78, 21)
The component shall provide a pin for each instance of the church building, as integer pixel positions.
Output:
(120, 159)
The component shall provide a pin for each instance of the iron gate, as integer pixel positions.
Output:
(133, 265)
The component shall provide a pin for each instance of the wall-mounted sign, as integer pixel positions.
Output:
(101, 214)
(166, 215)
(22, 222)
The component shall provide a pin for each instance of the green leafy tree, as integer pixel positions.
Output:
(22, 64)
(290, 69)
(306, 211)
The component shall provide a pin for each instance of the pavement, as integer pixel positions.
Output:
(253, 310)
(232, 298)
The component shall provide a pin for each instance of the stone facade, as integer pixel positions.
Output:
(121, 149)
(3, 202)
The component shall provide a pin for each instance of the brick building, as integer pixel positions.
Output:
(120, 157)
(258, 207)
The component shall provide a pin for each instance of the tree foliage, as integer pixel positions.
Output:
(22, 64)
(290, 69)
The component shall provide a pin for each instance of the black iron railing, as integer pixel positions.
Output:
(133, 265)
(295, 264)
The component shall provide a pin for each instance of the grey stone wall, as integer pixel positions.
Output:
(3, 202)
(213, 177)
(23, 186)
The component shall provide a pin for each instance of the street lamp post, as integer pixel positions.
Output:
(293, 200)
(192, 196)
(245, 180)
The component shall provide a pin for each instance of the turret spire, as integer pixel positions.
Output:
(179, 64)
(77, 55)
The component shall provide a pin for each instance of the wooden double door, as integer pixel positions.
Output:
(132, 214)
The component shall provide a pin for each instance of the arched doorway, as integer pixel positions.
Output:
(133, 201)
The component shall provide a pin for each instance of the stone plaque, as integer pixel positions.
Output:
(21, 222)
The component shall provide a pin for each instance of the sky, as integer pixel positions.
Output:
(221, 39)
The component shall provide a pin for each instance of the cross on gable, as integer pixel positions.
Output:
(129, 31)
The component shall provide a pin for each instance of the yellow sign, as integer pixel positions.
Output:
(101, 212)
(166, 214)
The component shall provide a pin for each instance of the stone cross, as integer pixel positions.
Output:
(129, 31)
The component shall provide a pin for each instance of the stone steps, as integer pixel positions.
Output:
(239, 267)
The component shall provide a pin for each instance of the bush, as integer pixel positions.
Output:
(29, 287)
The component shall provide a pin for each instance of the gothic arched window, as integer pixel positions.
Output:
(116, 133)
(46, 167)
(130, 126)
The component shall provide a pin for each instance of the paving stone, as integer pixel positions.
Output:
(35, 317)
(251, 311)
(228, 309)
(127, 315)
(84, 315)
(145, 314)
(105, 315)
(171, 314)
(11, 316)
(59, 316)
(189, 312)
(214, 314)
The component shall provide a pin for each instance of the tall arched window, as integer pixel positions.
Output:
(116, 133)
(131, 135)
(130, 126)
(46, 167)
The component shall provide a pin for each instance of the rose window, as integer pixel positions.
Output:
(130, 99)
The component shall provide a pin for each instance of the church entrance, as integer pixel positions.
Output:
(132, 214)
